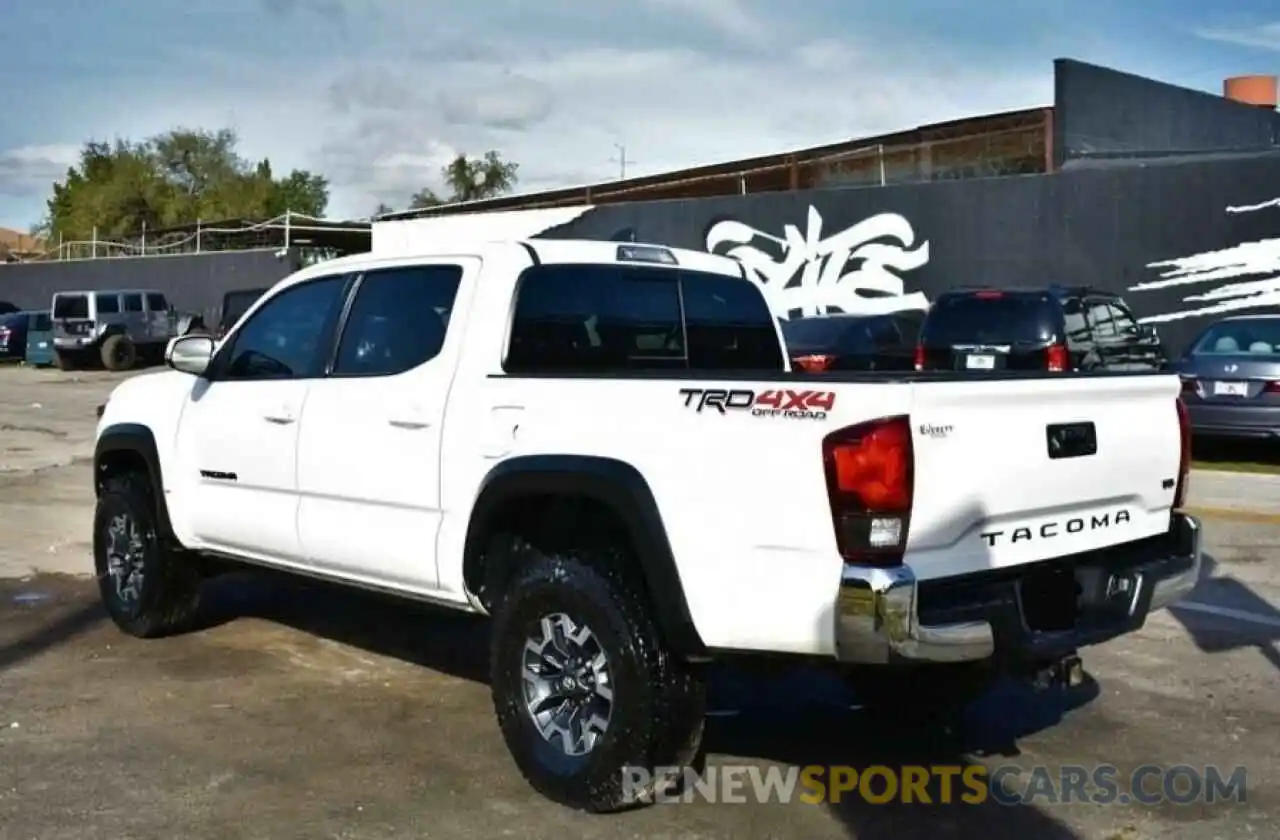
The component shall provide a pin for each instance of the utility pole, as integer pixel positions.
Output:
(621, 159)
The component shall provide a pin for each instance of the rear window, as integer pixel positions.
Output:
(593, 318)
(813, 333)
(40, 322)
(1259, 337)
(969, 319)
(71, 306)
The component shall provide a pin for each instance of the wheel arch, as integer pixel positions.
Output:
(617, 486)
(127, 447)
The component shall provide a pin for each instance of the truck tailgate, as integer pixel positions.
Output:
(1009, 472)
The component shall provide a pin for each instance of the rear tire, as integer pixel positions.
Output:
(118, 353)
(148, 589)
(599, 753)
(65, 361)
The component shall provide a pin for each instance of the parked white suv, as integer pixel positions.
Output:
(602, 446)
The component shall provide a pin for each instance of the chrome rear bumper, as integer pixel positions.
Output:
(879, 612)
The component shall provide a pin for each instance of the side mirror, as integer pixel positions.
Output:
(189, 353)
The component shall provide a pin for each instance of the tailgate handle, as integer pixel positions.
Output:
(1072, 440)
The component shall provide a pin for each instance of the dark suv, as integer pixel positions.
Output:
(1056, 328)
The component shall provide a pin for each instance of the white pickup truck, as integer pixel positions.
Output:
(603, 447)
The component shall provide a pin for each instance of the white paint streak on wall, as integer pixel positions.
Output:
(1258, 260)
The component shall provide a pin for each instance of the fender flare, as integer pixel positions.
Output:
(139, 440)
(623, 489)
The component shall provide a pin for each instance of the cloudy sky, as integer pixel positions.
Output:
(376, 94)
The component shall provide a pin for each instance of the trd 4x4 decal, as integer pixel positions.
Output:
(803, 405)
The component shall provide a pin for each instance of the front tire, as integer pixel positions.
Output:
(148, 589)
(597, 715)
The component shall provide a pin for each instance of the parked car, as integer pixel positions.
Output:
(1231, 378)
(13, 335)
(234, 305)
(1056, 328)
(40, 338)
(115, 327)
(603, 447)
(853, 342)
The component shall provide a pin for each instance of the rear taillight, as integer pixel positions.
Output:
(1271, 388)
(814, 362)
(919, 357)
(1189, 386)
(1184, 458)
(988, 294)
(870, 484)
(1057, 358)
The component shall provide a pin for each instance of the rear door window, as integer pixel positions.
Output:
(728, 324)
(107, 304)
(1003, 319)
(71, 306)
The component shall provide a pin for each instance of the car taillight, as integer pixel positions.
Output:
(1184, 458)
(1057, 358)
(1271, 388)
(988, 294)
(919, 357)
(1189, 386)
(814, 362)
(871, 484)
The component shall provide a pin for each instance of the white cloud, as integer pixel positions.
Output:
(1265, 36)
(30, 170)
(380, 106)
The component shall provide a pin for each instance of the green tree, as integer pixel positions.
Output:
(470, 179)
(174, 178)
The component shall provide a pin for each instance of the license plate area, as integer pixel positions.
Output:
(980, 361)
(1230, 389)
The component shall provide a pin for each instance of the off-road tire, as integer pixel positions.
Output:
(65, 361)
(170, 592)
(118, 353)
(659, 701)
(938, 693)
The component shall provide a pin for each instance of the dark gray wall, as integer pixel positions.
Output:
(193, 282)
(1100, 111)
(1111, 227)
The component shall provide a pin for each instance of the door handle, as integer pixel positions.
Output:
(281, 416)
(409, 417)
(408, 424)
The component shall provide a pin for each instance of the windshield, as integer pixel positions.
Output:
(969, 319)
(71, 306)
(1254, 336)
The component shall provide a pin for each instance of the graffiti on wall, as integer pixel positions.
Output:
(855, 270)
(1243, 276)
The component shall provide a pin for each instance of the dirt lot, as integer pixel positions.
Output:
(302, 711)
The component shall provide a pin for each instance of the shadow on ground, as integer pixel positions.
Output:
(1229, 593)
(797, 717)
(72, 615)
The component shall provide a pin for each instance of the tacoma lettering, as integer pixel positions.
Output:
(1049, 530)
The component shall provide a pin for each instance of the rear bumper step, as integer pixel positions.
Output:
(1044, 609)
